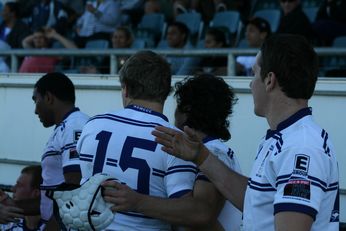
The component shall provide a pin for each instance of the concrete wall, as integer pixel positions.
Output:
(22, 136)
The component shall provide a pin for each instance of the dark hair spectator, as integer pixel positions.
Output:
(13, 30)
(330, 21)
(294, 20)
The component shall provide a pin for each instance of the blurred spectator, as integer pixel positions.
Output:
(131, 11)
(206, 8)
(178, 38)
(25, 7)
(3, 65)
(12, 29)
(49, 13)
(98, 21)
(217, 65)
(152, 6)
(257, 30)
(122, 38)
(42, 39)
(181, 7)
(330, 21)
(27, 187)
(294, 20)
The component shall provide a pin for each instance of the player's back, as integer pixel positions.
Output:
(121, 144)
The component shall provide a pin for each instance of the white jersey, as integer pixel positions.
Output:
(60, 156)
(121, 145)
(295, 170)
(230, 217)
(21, 226)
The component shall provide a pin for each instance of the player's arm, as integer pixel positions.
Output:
(73, 177)
(9, 214)
(187, 146)
(16, 208)
(283, 221)
(200, 210)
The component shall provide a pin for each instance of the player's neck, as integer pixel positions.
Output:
(279, 112)
(155, 106)
(31, 222)
(61, 111)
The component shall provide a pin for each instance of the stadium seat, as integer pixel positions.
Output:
(194, 22)
(272, 16)
(151, 28)
(265, 5)
(334, 66)
(311, 3)
(228, 20)
(243, 43)
(311, 13)
(138, 43)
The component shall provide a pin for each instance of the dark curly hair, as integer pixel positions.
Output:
(207, 101)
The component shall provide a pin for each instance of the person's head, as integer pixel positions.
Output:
(215, 38)
(10, 11)
(204, 102)
(257, 30)
(48, 90)
(287, 63)
(122, 38)
(28, 183)
(288, 6)
(40, 39)
(145, 76)
(177, 35)
(152, 6)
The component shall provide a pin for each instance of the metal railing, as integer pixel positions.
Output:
(230, 53)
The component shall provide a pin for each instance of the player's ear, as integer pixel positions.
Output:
(270, 81)
(49, 97)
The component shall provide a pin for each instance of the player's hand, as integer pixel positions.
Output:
(185, 145)
(10, 214)
(122, 197)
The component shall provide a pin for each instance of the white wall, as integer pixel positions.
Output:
(22, 136)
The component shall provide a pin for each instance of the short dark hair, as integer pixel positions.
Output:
(14, 7)
(58, 84)
(36, 175)
(218, 34)
(207, 101)
(146, 76)
(294, 62)
(181, 27)
(261, 24)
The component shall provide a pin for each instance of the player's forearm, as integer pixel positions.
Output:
(231, 184)
(185, 211)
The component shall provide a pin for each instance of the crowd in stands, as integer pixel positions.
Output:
(119, 23)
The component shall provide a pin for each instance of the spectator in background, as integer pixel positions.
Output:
(122, 38)
(294, 20)
(257, 30)
(42, 39)
(330, 21)
(98, 21)
(27, 187)
(3, 65)
(12, 29)
(217, 65)
(49, 13)
(178, 38)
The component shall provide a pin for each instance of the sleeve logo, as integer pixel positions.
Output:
(301, 165)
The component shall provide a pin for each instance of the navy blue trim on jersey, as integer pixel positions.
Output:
(146, 110)
(125, 120)
(50, 153)
(71, 168)
(208, 138)
(68, 146)
(314, 181)
(86, 157)
(292, 207)
(181, 168)
(49, 187)
(180, 193)
(260, 186)
(158, 172)
(67, 115)
(289, 121)
(132, 214)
